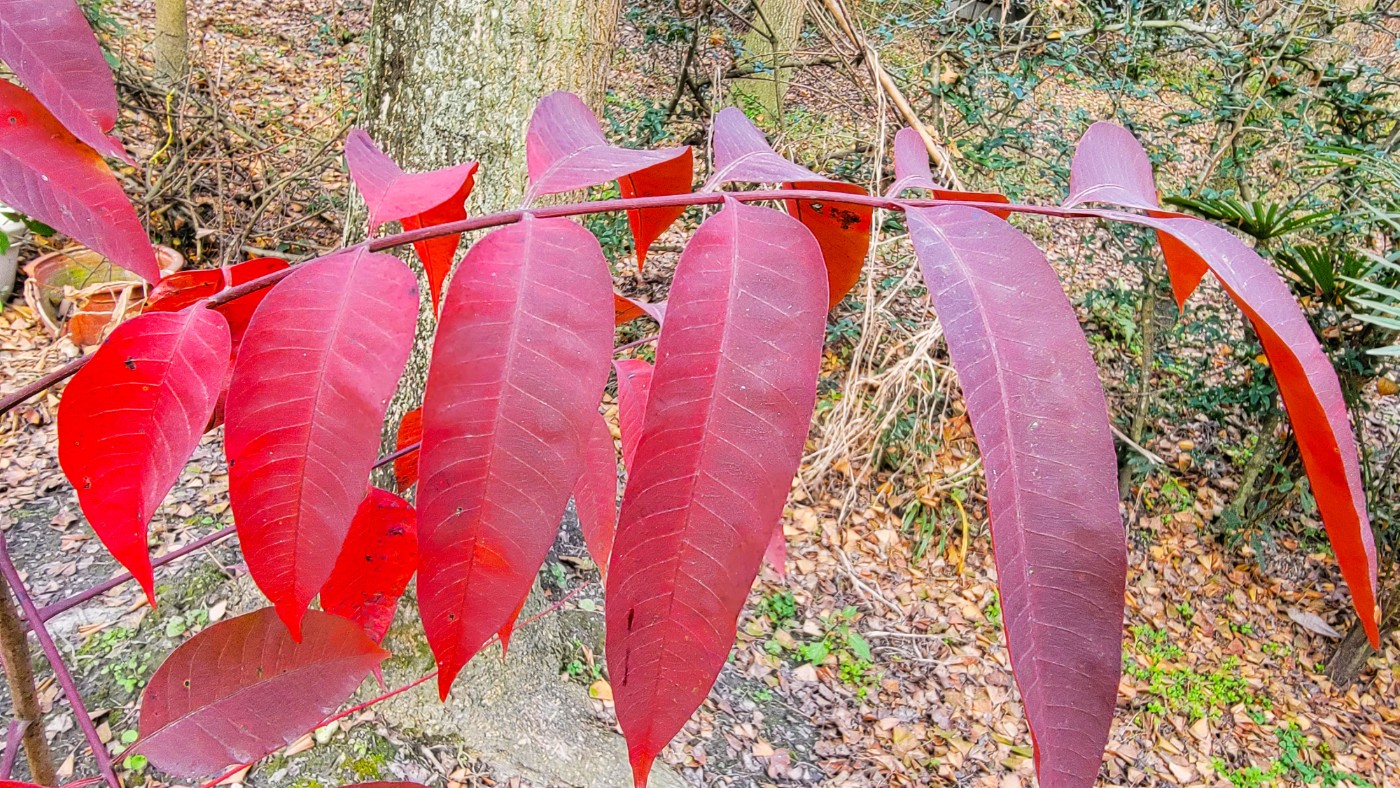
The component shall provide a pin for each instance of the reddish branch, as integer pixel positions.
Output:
(576, 209)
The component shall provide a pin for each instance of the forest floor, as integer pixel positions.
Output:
(878, 658)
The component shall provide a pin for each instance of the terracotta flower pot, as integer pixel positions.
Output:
(82, 288)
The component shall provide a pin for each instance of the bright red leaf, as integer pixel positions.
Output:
(1311, 393)
(625, 309)
(519, 364)
(775, 554)
(49, 46)
(415, 200)
(728, 413)
(595, 494)
(633, 388)
(131, 418)
(742, 154)
(1111, 167)
(46, 173)
(1041, 421)
(378, 559)
(911, 171)
(312, 380)
(243, 689)
(410, 432)
(180, 289)
(565, 150)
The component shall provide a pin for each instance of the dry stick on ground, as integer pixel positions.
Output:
(24, 698)
(886, 83)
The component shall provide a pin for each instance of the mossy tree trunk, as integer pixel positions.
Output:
(771, 41)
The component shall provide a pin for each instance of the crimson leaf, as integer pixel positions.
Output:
(595, 494)
(1111, 167)
(1311, 393)
(416, 200)
(49, 46)
(1039, 414)
(911, 171)
(375, 564)
(725, 423)
(565, 150)
(312, 380)
(842, 230)
(46, 173)
(410, 432)
(243, 689)
(519, 364)
(633, 388)
(132, 417)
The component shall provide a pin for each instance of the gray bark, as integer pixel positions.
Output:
(456, 80)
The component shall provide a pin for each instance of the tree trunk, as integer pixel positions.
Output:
(456, 80)
(771, 41)
(172, 41)
(451, 81)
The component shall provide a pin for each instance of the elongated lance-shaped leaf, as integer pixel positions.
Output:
(565, 151)
(1111, 167)
(46, 173)
(1311, 393)
(1041, 421)
(243, 689)
(742, 155)
(378, 559)
(519, 364)
(131, 418)
(911, 171)
(730, 404)
(49, 46)
(312, 380)
(410, 432)
(417, 200)
(595, 494)
(633, 388)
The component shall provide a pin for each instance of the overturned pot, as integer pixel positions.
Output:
(79, 292)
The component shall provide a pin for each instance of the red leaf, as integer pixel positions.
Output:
(375, 565)
(180, 289)
(132, 417)
(416, 200)
(595, 494)
(911, 171)
(1111, 167)
(842, 230)
(1311, 393)
(46, 173)
(731, 401)
(54, 53)
(508, 629)
(384, 785)
(313, 377)
(519, 364)
(1040, 418)
(565, 150)
(410, 432)
(625, 309)
(633, 388)
(775, 554)
(17, 784)
(243, 689)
